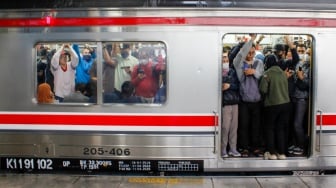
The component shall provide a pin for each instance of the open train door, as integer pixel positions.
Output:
(294, 56)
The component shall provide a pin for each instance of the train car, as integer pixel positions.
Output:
(176, 129)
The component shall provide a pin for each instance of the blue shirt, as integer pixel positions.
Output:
(83, 68)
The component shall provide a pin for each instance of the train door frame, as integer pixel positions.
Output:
(310, 138)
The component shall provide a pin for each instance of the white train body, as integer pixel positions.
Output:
(185, 129)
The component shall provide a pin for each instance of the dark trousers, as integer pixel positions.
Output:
(291, 132)
(249, 125)
(300, 112)
(277, 117)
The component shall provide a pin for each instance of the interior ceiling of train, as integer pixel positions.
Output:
(278, 4)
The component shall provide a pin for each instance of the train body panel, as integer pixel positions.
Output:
(186, 127)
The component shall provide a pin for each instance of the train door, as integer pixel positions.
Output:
(268, 121)
(325, 107)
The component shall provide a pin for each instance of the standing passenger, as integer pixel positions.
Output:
(230, 100)
(274, 87)
(84, 63)
(125, 66)
(301, 94)
(288, 65)
(64, 72)
(249, 71)
(145, 77)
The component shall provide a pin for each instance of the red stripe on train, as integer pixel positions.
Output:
(125, 120)
(128, 21)
(107, 120)
(329, 120)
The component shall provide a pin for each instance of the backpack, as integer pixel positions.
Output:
(249, 87)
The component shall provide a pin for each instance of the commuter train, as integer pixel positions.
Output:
(182, 132)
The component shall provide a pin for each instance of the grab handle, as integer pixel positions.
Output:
(318, 146)
(216, 132)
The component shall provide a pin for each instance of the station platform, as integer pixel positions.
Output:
(104, 181)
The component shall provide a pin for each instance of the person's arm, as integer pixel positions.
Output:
(75, 47)
(108, 59)
(93, 71)
(238, 61)
(234, 51)
(302, 81)
(136, 77)
(74, 57)
(55, 60)
(264, 84)
(259, 70)
(234, 83)
(93, 53)
(295, 56)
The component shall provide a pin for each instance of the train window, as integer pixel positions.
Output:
(117, 72)
(134, 72)
(274, 109)
(63, 72)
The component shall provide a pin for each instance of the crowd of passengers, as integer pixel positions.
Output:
(264, 99)
(69, 74)
(265, 94)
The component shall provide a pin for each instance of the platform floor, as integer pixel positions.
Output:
(74, 181)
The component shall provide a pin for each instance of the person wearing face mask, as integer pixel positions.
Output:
(249, 71)
(287, 57)
(85, 62)
(300, 101)
(230, 100)
(124, 67)
(301, 50)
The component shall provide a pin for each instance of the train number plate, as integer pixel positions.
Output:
(19, 164)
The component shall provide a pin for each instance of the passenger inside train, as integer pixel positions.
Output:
(135, 73)
(140, 64)
(257, 136)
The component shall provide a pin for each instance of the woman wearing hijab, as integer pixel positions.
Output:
(44, 94)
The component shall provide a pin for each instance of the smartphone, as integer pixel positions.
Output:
(300, 68)
(246, 66)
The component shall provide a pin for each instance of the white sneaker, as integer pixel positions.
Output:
(269, 156)
(281, 156)
(234, 153)
(298, 151)
(290, 149)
